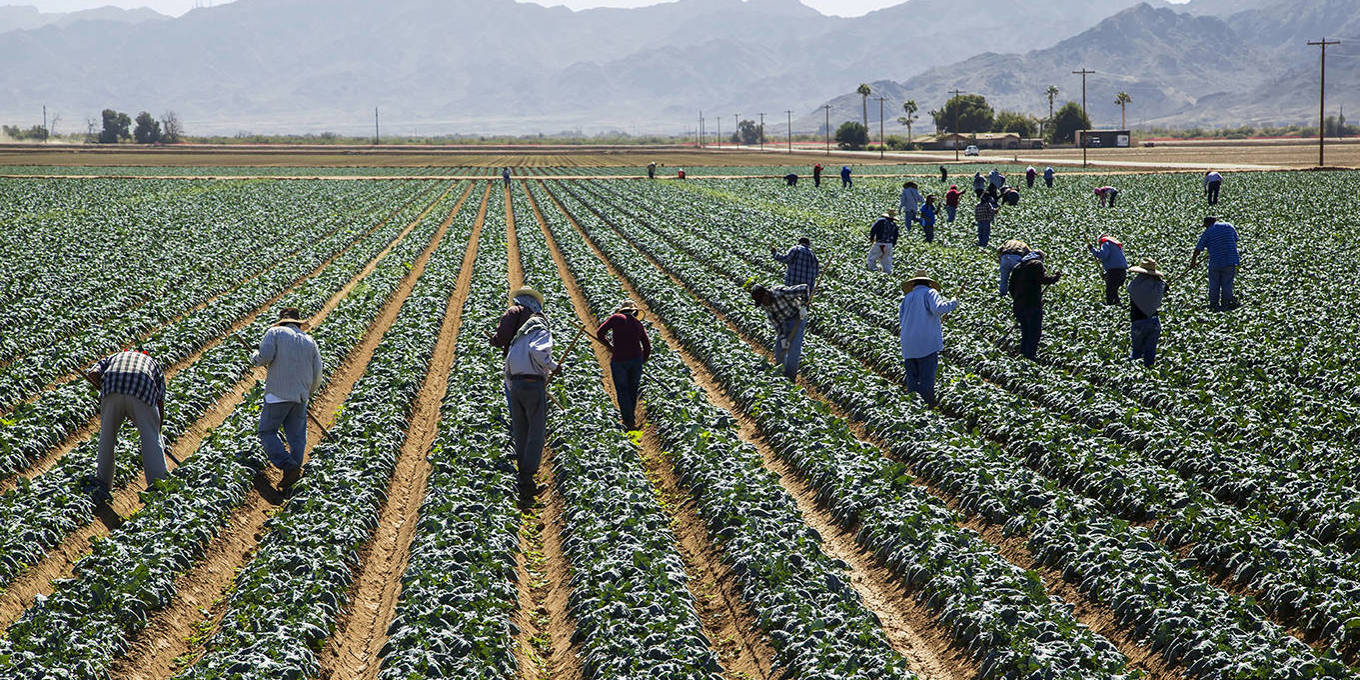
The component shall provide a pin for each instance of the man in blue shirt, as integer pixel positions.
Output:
(882, 239)
(1220, 239)
(922, 338)
(1114, 265)
(802, 264)
(845, 176)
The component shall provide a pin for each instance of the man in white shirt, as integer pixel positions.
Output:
(529, 365)
(295, 373)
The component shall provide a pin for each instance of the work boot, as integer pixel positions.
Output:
(290, 477)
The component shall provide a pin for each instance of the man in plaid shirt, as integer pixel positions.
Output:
(802, 264)
(787, 309)
(131, 386)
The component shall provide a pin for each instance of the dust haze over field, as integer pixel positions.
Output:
(499, 66)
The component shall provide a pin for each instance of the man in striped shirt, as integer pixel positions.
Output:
(1220, 239)
(131, 386)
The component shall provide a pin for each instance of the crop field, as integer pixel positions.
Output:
(1079, 517)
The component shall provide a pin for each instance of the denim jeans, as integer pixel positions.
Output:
(929, 230)
(627, 377)
(1049, 182)
(921, 376)
(952, 210)
(1212, 192)
(292, 417)
(1031, 321)
(1143, 336)
(1221, 287)
(984, 233)
(528, 422)
(1114, 281)
(1008, 262)
(788, 346)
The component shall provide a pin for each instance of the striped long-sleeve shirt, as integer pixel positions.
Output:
(1220, 240)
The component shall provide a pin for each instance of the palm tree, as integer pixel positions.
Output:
(1122, 99)
(864, 93)
(910, 107)
(1051, 92)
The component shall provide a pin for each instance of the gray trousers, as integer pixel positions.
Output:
(528, 423)
(116, 408)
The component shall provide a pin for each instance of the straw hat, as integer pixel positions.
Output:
(530, 292)
(1148, 267)
(290, 316)
(627, 306)
(920, 278)
(891, 214)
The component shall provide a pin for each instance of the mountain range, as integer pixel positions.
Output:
(501, 66)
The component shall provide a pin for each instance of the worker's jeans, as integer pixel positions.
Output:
(1031, 320)
(788, 346)
(908, 217)
(1048, 181)
(952, 210)
(984, 233)
(1221, 287)
(1143, 336)
(1211, 192)
(845, 181)
(1008, 262)
(627, 377)
(921, 376)
(1114, 280)
(929, 230)
(292, 417)
(113, 410)
(881, 253)
(528, 423)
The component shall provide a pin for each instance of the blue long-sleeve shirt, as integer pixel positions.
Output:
(928, 215)
(884, 231)
(1111, 256)
(1221, 242)
(802, 266)
(919, 317)
(910, 200)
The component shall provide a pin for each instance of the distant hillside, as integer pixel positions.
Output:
(1252, 66)
(500, 65)
(27, 17)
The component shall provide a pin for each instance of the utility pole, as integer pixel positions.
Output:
(376, 139)
(736, 126)
(1085, 119)
(1322, 100)
(45, 134)
(789, 113)
(762, 132)
(882, 144)
(828, 128)
(701, 128)
(955, 94)
(717, 140)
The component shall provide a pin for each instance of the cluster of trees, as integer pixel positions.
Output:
(36, 133)
(749, 132)
(118, 127)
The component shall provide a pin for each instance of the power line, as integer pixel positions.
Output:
(1086, 120)
(1322, 100)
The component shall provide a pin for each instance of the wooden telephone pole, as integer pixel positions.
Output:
(789, 113)
(762, 132)
(882, 144)
(1322, 100)
(828, 128)
(1086, 120)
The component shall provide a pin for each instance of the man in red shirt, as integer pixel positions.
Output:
(951, 201)
(817, 175)
(629, 348)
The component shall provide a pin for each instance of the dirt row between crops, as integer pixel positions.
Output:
(352, 652)
(545, 650)
(723, 617)
(178, 632)
(909, 627)
(58, 563)
(1094, 615)
(45, 462)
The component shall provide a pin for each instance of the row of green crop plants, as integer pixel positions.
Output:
(1032, 485)
(88, 621)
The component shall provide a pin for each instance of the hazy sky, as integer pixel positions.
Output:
(177, 7)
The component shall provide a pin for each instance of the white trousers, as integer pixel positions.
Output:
(114, 410)
(880, 252)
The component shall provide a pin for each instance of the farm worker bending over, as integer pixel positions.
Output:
(651, 170)
(505, 176)
(882, 238)
(295, 373)
(131, 386)
(791, 179)
(1145, 301)
(996, 179)
(1106, 195)
(1212, 183)
(629, 348)
(1030, 174)
(529, 365)
(845, 176)
(951, 201)
(1009, 256)
(817, 175)
(1048, 176)
(979, 184)
(1027, 300)
(802, 264)
(524, 303)
(787, 308)
(922, 338)
(908, 202)
(928, 213)
(680, 174)
(1220, 239)
(944, 175)
(985, 213)
(1010, 196)
(1114, 266)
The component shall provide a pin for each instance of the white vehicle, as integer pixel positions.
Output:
(971, 150)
